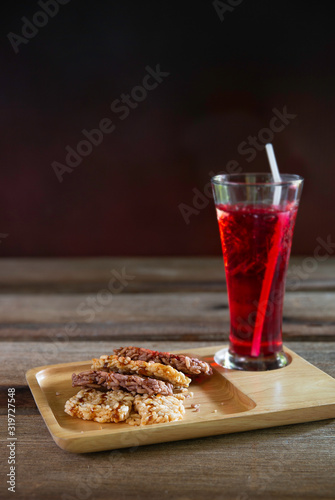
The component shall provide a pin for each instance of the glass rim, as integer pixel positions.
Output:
(228, 179)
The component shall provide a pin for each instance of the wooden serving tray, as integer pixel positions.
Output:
(230, 401)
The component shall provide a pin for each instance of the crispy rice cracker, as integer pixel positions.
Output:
(123, 364)
(91, 404)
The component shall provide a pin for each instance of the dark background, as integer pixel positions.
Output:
(225, 79)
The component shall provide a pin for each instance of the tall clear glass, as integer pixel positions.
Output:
(256, 219)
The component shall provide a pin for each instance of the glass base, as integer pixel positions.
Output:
(234, 361)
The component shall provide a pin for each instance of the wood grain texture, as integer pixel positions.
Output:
(284, 462)
(182, 316)
(89, 275)
(229, 401)
(31, 354)
(293, 462)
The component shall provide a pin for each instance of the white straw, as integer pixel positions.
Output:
(275, 172)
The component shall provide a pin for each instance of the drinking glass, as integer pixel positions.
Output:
(256, 219)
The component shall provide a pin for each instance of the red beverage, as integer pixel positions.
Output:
(256, 244)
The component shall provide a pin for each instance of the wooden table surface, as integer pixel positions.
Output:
(54, 311)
